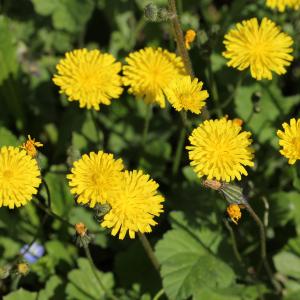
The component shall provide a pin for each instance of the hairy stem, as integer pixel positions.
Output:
(234, 243)
(149, 251)
(94, 269)
(159, 294)
(183, 52)
(180, 39)
(263, 247)
(180, 144)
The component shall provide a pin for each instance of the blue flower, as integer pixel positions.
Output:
(32, 253)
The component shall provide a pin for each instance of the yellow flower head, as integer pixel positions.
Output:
(281, 5)
(94, 177)
(19, 177)
(234, 212)
(134, 205)
(263, 48)
(289, 139)
(30, 146)
(185, 93)
(90, 77)
(23, 269)
(189, 37)
(150, 71)
(219, 150)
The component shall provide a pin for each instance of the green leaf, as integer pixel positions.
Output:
(69, 15)
(62, 253)
(8, 58)
(270, 104)
(7, 138)
(61, 198)
(45, 8)
(44, 267)
(21, 294)
(285, 206)
(9, 94)
(288, 264)
(9, 248)
(51, 289)
(83, 284)
(234, 292)
(188, 264)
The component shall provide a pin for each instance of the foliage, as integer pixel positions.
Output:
(192, 241)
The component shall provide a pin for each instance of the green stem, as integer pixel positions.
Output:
(263, 249)
(15, 282)
(53, 214)
(214, 89)
(94, 269)
(97, 127)
(148, 117)
(178, 153)
(234, 243)
(180, 144)
(159, 294)
(179, 6)
(183, 52)
(47, 192)
(149, 251)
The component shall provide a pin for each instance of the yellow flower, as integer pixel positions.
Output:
(19, 177)
(289, 139)
(30, 146)
(134, 205)
(23, 269)
(185, 93)
(189, 37)
(219, 150)
(94, 176)
(234, 212)
(90, 77)
(150, 71)
(281, 5)
(265, 49)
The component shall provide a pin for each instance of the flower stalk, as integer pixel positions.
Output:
(180, 38)
(94, 269)
(149, 251)
(263, 247)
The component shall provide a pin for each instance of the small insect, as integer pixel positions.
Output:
(100, 211)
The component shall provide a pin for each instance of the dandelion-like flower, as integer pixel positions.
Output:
(186, 93)
(220, 150)
(281, 5)
(19, 177)
(94, 177)
(30, 146)
(134, 205)
(263, 48)
(234, 212)
(90, 77)
(289, 139)
(150, 71)
(189, 38)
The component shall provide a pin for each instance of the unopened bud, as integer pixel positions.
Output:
(82, 238)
